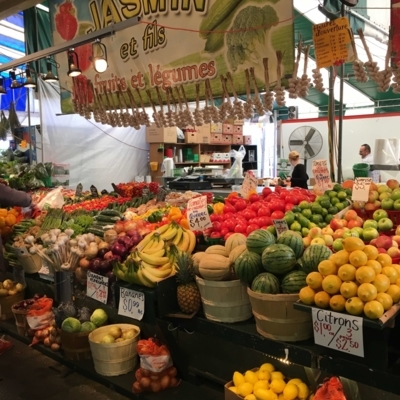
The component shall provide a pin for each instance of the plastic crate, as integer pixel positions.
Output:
(361, 170)
(394, 216)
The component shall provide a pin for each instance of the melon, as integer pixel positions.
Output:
(278, 259)
(214, 267)
(247, 266)
(259, 240)
(312, 256)
(196, 257)
(293, 282)
(236, 252)
(293, 240)
(265, 283)
(216, 249)
(233, 241)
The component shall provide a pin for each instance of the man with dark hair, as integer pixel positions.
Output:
(366, 158)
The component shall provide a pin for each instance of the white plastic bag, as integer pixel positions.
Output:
(236, 170)
(53, 199)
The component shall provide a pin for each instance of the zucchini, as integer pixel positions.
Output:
(110, 213)
(97, 232)
(106, 218)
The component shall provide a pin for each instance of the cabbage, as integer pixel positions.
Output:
(99, 317)
(71, 325)
(88, 327)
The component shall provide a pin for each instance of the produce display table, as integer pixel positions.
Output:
(380, 167)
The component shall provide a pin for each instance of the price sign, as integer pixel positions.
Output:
(337, 331)
(361, 189)
(79, 189)
(97, 287)
(131, 303)
(280, 226)
(162, 194)
(249, 185)
(94, 192)
(321, 174)
(197, 214)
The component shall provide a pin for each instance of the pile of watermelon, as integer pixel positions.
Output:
(273, 266)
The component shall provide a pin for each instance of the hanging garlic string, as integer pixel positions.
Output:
(176, 110)
(305, 81)
(187, 113)
(257, 99)
(214, 110)
(370, 65)
(237, 104)
(384, 77)
(156, 117)
(161, 111)
(268, 98)
(142, 115)
(170, 116)
(358, 66)
(198, 116)
(293, 81)
(279, 89)
(248, 105)
(207, 109)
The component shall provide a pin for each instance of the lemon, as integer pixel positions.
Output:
(245, 389)
(348, 289)
(277, 375)
(314, 280)
(267, 367)
(373, 309)
(365, 275)
(290, 392)
(385, 300)
(371, 252)
(262, 394)
(327, 267)
(331, 284)
(347, 272)
(367, 292)
(354, 306)
(384, 259)
(250, 377)
(377, 267)
(238, 378)
(391, 273)
(340, 258)
(337, 303)
(250, 397)
(233, 389)
(261, 385)
(352, 244)
(322, 299)
(307, 295)
(381, 282)
(394, 293)
(358, 258)
(295, 381)
(304, 391)
(277, 385)
(263, 375)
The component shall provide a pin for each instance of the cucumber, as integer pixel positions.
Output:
(97, 232)
(110, 213)
(106, 218)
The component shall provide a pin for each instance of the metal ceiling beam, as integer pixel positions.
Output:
(11, 7)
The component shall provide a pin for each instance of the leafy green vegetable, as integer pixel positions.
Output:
(242, 43)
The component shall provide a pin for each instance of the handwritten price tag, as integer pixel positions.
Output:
(131, 303)
(338, 331)
(249, 185)
(197, 214)
(361, 189)
(280, 226)
(97, 287)
(321, 174)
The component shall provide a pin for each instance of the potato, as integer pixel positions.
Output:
(3, 292)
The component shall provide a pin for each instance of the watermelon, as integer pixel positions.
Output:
(312, 256)
(259, 240)
(293, 282)
(293, 240)
(247, 266)
(265, 283)
(278, 259)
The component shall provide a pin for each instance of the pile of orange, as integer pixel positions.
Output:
(357, 280)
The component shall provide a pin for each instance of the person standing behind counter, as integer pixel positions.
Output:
(299, 176)
(366, 158)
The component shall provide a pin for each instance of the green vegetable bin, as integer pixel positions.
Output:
(361, 170)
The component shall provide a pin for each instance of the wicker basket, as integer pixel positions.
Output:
(6, 304)
(76, 345)
(20, 320)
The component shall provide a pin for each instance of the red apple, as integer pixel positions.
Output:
(373, 196)
(345, 223)
(396, 238)
(350, 215)
(393, 252)
(373, 242)
(381, 250)
(336, 223)
(373, 206)
(383, 242)
(392, 183)
(354, 224)
(358, 205)
(338, 234)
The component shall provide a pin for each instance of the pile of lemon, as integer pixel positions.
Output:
(268, 384)
(357, 279)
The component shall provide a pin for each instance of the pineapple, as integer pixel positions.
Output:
(188, 294)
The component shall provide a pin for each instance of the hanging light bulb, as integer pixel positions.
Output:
(50, 77)
(73, 66)
(99, 57)
(29, 83)
(2, 89)
(14, 83)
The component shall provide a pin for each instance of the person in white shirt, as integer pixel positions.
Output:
(366, 158)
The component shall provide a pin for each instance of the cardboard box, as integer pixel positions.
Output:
(216, 138)
(161, 135)
(238, 129)
(226, 157)
(238, 122)
(191, 136)
(229, 395)
(227, 139)
(205, 158)
(203, 133)
(216, 127)
(227, 129)
(237, 139)
(247, 139)
(217, 157)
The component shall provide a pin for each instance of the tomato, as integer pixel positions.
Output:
(227, 235)
(215, 217)
(278, 189)
(229, 214)
(215, 235)
(266, 191)
(251, 228)
(240, 228)
(252, 221)
(290, 198)
(229, 208)
(254, 197)
(312, 197)
(283, 194)
(216, 226)
(249, 214)
(271, 197)
(277, 205)
(263, 211)
(224, 231)
(277, 214)
(264, 221)
(289, 206)
(255, 206)
(240, 205)
(207, 232)
(230, 224)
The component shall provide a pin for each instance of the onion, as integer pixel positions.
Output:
(58, 340)
(95, 264)
(119, 227)
(155, 386)
(53, 331)
(55, 347)
(47, 342)
(109, 255)
(118, 249)
(84, 263)
(104, 266)
(125, 241)
(174, 382)
(45, 333)
(165, 382)
(111, 277)
(102, 252)
(172, 372)
(145, 382)
(137, 388)
(130, 226)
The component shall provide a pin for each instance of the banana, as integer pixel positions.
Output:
(157, 273)
(170, 233)
(162, 229)
(144, 280)
(168, 265)
(145, 242)
(151, 277)
(150, 259)
(192, 241)
(155, 252)
(178, 236)
(184, 244)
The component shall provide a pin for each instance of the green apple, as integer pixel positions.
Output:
(396, 205)
(370, 223)
(358, 230)
(379, 214)
(387, 204)
(350, 233)
(395, 194)
(337, 244)
(370, 234)
(384, 195)
(385, 224)
(383, 188)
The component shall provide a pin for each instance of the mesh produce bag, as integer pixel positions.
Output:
(331, 389)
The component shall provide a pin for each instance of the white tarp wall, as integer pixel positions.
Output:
(98, 154)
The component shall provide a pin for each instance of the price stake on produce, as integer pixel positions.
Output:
(131, 303)
(97, 287)
(161, 195)
(197, 214)
(337, 331)
(280, 226)
(322, 176)
(361, 189)
(249, 185)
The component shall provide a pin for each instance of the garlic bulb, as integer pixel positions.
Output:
(304, 83)
(359, 71)
(280, 95)
(383, 79)
(268, 100)
(396, 81)
(317, 80)
(372, 69)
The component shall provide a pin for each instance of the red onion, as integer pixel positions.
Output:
(102, 252)
(118, 249)
(95, 265)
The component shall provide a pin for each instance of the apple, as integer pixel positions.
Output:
(373, 196)
(350, 233)
(392, 184)
(384, 195)
(396, 238)
(318, 240)
(337, 244)
(369, 234)
(358, 205)
(354, 224)
(393, 252)
(383, 189)
(315, 232)
(358, 230)
(336, 224)
(383, 242)
(373, 206)
(381, 250)
(387, 204)
(395, 194)
(395, 244)
(396, 204)
(328, 240)
(373, 242)
(338, 234)
(385, 224)
(327, 231)
(350, 215)
(370, 223)
(307, 241)
(379, 214)
(397, 231)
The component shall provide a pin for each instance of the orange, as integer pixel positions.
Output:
(354, 306)
(384, 259)
(307, 295)
(337, 303)
(381, 282)
(391, 273)
(351, 244)
(375, 265)
(331, 284)
(348, 289)
(385, 300)
(340, 258)
(396, 267)
(347, 272)
(327, 267)
(398, 282)
(394, 293)
(371, 252)
(358, 258)
(367, 292)
(322, 299)
(314, 280)
(373, 309)
(365, 275)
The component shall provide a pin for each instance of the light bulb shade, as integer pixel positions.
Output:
(99, 57)
(100, 65)
(350, 3)
(30, 83)
(50, 77)
(14, 83)
(73, 69)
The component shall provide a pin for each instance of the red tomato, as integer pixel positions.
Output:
(266, 191)
(312, 197)
(240, 205)
(277, 215)
(207, 232)
(254, 197)
(271, 197)
(289, 206)
(249, 214)
(277, 205)
(263, 211)
(264, 221)
(216, 226)
(227, 235)
(240, 228)
(290, 198)
(229, 209)
(215, 217)
(215, 235)
(251, 228)
(255, 206)
(278, 189)
(253, 221)
(283, 194)
(224, 231)
(229, 215)
(230, 224)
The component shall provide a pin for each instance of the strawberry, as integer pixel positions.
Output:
(84, 53)
(66, 23)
